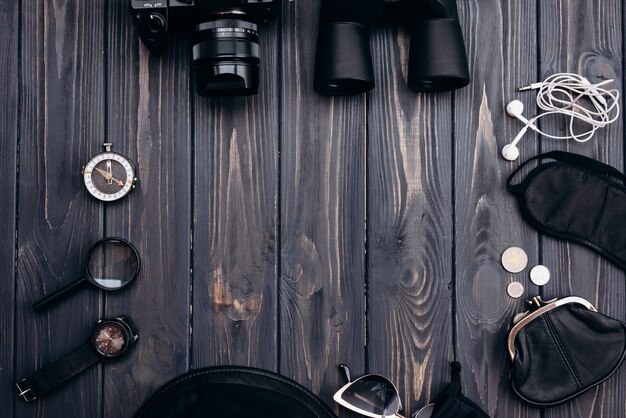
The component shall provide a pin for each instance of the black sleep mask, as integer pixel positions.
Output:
(578, 199)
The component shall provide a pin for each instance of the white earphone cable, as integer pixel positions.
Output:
(564, 93)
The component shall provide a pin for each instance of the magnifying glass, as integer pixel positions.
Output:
(112, 264)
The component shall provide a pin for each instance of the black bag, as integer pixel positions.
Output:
(233, 392)
(561, 348)
(451, 403)
(578, 199)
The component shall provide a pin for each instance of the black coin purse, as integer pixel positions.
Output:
(561, 348)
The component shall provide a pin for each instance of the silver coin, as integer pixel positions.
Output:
(514, 259)
(519, 317)
(540, 275)
(425, 412)
(515, 290)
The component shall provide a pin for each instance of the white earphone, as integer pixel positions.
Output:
(515, 108)
(561, 94)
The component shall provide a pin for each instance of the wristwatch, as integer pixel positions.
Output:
(109, 339)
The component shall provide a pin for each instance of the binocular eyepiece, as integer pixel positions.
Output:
(343, 62)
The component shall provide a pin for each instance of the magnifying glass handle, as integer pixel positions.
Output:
(46, 301)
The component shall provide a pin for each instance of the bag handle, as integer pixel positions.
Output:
(455, 373)
(569, 158)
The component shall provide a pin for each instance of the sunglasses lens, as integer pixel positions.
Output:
(373, 394)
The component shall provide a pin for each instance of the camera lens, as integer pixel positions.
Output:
(226, 57)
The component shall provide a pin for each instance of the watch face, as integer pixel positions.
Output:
(109, 176)
(110, 339)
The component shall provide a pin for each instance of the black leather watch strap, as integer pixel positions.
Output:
(56, 373)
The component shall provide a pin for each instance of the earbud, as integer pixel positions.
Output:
(515, 109)
(510, 152)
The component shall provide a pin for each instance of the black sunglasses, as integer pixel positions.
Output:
(374, 396)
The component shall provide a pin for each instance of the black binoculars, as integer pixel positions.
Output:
(343, 62)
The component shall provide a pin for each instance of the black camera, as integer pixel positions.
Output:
(225, 38)
(437, 57)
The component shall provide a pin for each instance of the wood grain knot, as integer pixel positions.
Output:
(237, 308)
(597, 68)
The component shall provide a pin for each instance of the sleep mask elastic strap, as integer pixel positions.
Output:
(566, 157)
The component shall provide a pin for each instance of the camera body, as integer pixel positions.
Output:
(225, 38)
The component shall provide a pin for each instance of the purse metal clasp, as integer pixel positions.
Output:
(537, 302)
(533, 304)
(539, 307)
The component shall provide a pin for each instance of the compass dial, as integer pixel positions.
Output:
(110, 339)
(109, 176)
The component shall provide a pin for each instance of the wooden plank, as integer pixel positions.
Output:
(323, 216)
(500, 39)
(148, 113)
(235, 222)
(9, 33)
(586, 38)
(409, 227)
(61, 114)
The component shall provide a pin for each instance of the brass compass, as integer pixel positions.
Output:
(109, 175)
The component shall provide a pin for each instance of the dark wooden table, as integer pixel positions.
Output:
(275, 230)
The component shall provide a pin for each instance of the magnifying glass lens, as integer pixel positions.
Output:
(112, 264)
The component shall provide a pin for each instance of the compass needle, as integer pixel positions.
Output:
(105, 174)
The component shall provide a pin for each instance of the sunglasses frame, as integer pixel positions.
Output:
(337, 396)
